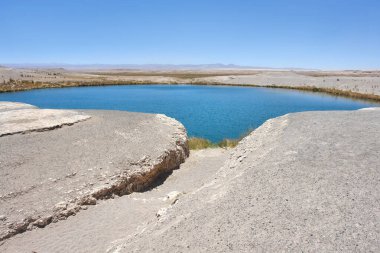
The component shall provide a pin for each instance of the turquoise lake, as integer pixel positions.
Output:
(212, 112)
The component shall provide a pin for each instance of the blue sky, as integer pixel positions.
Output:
(326, 34)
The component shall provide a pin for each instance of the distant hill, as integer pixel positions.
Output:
(143, 66)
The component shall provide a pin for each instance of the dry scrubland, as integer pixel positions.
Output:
(355, 84)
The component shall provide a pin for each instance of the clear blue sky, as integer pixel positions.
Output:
(327, 34)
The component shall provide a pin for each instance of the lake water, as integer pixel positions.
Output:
(212, 112)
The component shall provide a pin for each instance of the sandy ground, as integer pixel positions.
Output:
(101, 227)
(363, 82)
(47, 176)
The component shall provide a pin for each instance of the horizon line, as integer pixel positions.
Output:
(172, 65)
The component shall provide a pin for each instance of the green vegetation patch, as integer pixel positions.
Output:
(196, 143)
(228, 143)
(201, 143)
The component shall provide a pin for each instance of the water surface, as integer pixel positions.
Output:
(212, 112)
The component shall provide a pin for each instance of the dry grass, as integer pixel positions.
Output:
(228, 143)
(30, 85)
(200, 143)
(20, 85)
(331, 91)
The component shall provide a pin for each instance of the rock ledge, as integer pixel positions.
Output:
(62, 171)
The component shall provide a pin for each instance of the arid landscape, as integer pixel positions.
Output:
(214, 126)
(355, 84)
(112, 181)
